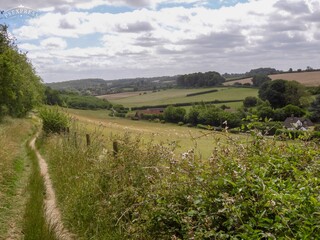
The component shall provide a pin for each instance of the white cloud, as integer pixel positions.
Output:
(54, 43)
(146, 40)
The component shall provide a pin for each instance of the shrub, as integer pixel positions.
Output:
(53, 120)
(180, 123)
(255, 189)
(250, 101)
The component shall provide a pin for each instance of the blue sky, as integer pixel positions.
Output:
(114, 39)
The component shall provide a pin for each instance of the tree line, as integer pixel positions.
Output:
(21, 88)
(207, 79)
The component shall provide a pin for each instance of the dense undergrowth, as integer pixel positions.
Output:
(259, 189)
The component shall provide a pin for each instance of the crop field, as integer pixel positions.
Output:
(305, 78)
(172, 96)
(184, 138)
(117, 96)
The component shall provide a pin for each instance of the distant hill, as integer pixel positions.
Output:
(306, 78)
(76, 85)
(97, 86)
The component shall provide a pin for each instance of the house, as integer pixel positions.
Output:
(296, 123)
(149, 111)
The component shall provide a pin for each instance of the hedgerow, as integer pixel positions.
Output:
(259, 189)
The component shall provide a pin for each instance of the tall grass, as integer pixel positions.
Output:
(258, 189)
(13, 172)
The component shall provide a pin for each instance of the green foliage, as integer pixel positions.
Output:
(250, 101)
(54, 120)
(200, 79)
(52, 97)
(281, 93)
(201, 93)
(74, 100)
(255, 190)
(315, 110)
(174, 114)
(20, 87)
(258, 80)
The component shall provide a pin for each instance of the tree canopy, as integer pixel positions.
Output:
(258, 80)
(20, 88)
(281, 93)
(200, 79)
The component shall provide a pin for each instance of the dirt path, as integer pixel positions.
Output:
(52, 212)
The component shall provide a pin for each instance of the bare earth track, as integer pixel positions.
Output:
(52, 212)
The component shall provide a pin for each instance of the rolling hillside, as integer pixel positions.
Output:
(306, 78)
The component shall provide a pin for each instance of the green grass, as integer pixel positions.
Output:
(35, 226)
(248, 189)
(172, 96)
(157, 132)
(14, 172)
(21, 185)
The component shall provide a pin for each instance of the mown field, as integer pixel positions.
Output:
(172, 96)
(305, 78)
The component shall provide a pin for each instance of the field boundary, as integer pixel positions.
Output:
(184, 104)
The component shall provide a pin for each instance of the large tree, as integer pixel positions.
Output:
(20, 88)
(281, 93)
(315, 110)
(258, 80)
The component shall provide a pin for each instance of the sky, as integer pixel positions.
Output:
(113, 39)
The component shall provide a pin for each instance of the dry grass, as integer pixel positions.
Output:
(13, 174)
(305, 78)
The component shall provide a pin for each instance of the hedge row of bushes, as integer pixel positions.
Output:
(184, 104)
(296, 134)
(201, 93)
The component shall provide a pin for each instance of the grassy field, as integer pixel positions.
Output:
(306, 78)
(172, 96)
(150, 131)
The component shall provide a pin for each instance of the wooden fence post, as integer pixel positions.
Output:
(115, 148)
(75, 139)
(88, 140)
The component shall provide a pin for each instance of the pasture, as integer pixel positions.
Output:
(172, 96)
(184, 138)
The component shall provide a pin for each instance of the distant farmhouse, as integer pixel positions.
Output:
(296, 123)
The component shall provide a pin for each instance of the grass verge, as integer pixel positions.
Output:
(35, 226)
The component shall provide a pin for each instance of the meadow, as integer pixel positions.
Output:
(172, 96)
(184, 138)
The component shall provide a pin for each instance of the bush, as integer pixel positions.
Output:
(180, 123)
(250, 101)
(53, 120)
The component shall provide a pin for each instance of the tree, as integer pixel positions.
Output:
(250, 101)
(200, 79)
(258, 80)
(174, 114)
(20, 88)
(315, 110)
(281, 93)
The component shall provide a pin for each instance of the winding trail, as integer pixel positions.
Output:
(52, 212)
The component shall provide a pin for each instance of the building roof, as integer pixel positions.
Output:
(296, 122)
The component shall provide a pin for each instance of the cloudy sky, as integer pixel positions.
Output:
(113, 39)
